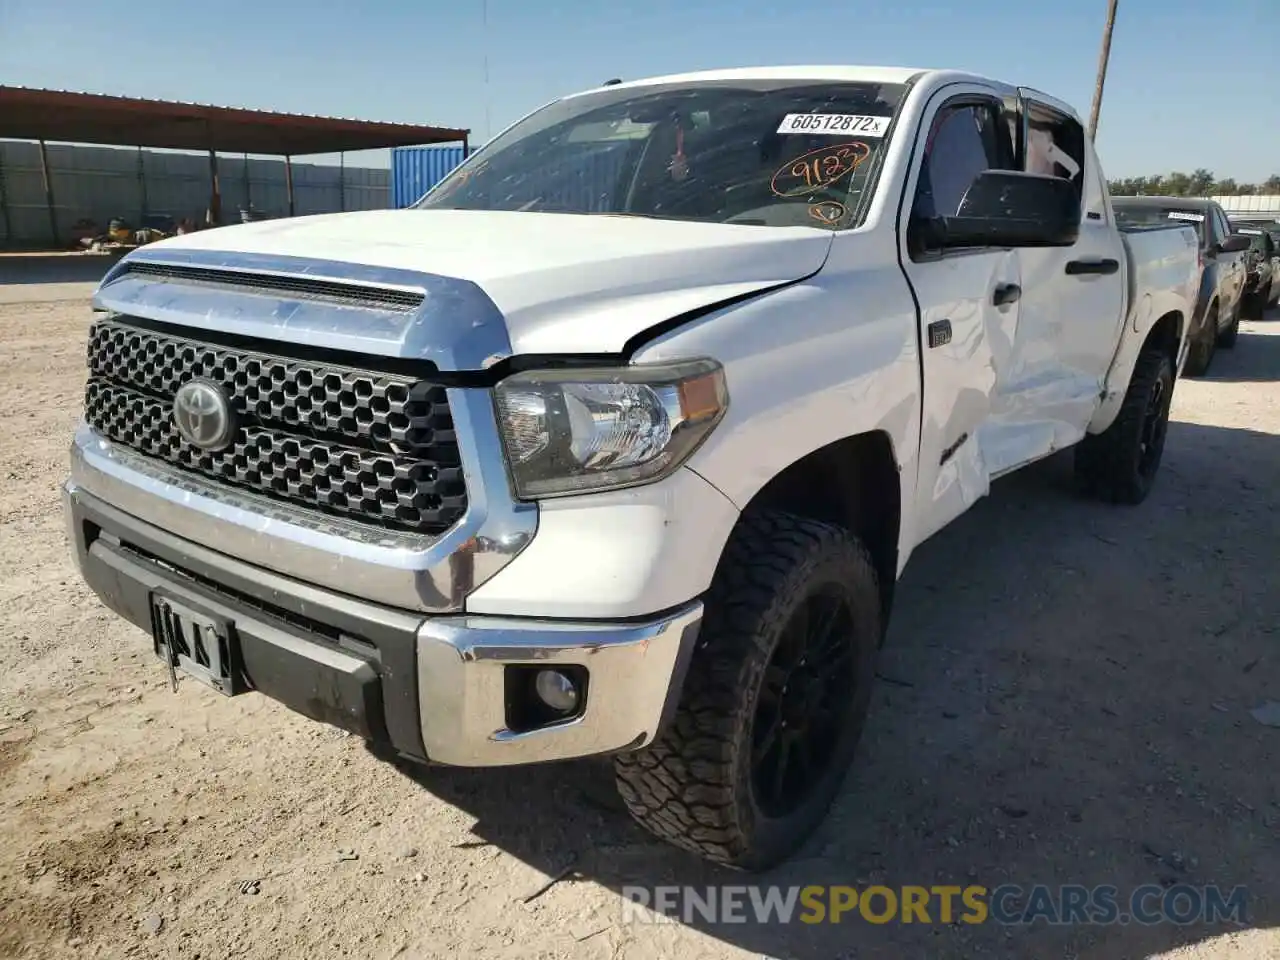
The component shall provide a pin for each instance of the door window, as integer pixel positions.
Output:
(1223, 223)
(1220, 228)
(965, 140)
(1055, 146)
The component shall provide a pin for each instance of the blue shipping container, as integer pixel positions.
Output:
(587, 181)
(415, 170)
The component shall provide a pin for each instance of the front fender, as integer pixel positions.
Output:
(831, 357)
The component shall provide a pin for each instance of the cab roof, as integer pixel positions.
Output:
(836, 73)
(866, 74)
(846, 73)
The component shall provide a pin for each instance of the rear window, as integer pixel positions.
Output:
(1256, 230)
(1260, 243)
(775, 153)
(1153, 214)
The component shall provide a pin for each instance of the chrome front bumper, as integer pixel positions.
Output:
(432, 687)
(635, 672)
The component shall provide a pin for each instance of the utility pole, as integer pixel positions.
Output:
(1102, 69)
(484, 17)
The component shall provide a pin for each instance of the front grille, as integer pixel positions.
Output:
(372, 446)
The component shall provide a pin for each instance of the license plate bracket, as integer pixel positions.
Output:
(201, 644)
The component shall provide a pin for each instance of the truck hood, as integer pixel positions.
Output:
(555, 283)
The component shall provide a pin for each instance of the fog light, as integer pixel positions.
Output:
(556, 690)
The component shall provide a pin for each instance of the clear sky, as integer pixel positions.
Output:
(1189, 85)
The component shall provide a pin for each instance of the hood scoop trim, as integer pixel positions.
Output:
(383, 312)
(282, 286)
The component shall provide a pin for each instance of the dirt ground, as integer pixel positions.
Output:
(1066, 698)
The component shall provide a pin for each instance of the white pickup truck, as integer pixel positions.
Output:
(618, 442)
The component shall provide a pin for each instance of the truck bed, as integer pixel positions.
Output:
(1162, 277)
(1161, 259)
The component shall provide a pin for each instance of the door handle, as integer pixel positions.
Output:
(1005, 294)
(1077, 268)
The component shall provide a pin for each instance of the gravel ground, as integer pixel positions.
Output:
(1066, 699)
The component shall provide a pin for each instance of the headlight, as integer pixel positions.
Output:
(570, 431)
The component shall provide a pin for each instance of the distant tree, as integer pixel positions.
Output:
(1178, 184)
(1199, 183)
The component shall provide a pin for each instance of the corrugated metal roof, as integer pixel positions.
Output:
(1262, 203)
(31, 113)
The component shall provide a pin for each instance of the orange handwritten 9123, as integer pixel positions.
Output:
(818, 168)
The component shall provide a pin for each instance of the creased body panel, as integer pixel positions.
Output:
(829, 358)
(494, 282)
(963, 377)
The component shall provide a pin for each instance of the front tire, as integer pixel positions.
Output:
(774, 701)
(1120, 464)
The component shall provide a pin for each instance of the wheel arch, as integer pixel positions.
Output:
(1169, 331)
(853, 483)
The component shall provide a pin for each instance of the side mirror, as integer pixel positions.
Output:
(1234, 243)
(1006, 208)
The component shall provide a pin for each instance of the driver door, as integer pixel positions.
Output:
(968, 303)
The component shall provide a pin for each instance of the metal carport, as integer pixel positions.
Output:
(71, 117)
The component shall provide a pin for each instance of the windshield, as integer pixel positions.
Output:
(763, 153)
(1156, 214)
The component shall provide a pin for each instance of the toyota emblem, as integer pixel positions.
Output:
(203, 415)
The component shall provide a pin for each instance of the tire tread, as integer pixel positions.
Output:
(683, 787)
(1104, 462)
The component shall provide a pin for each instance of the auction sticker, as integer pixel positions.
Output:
(834, 123)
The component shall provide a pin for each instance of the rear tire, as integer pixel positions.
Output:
(1120, 464)
(1200, 353)
(770, 716)
(1254, 305)
(1227, 338)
